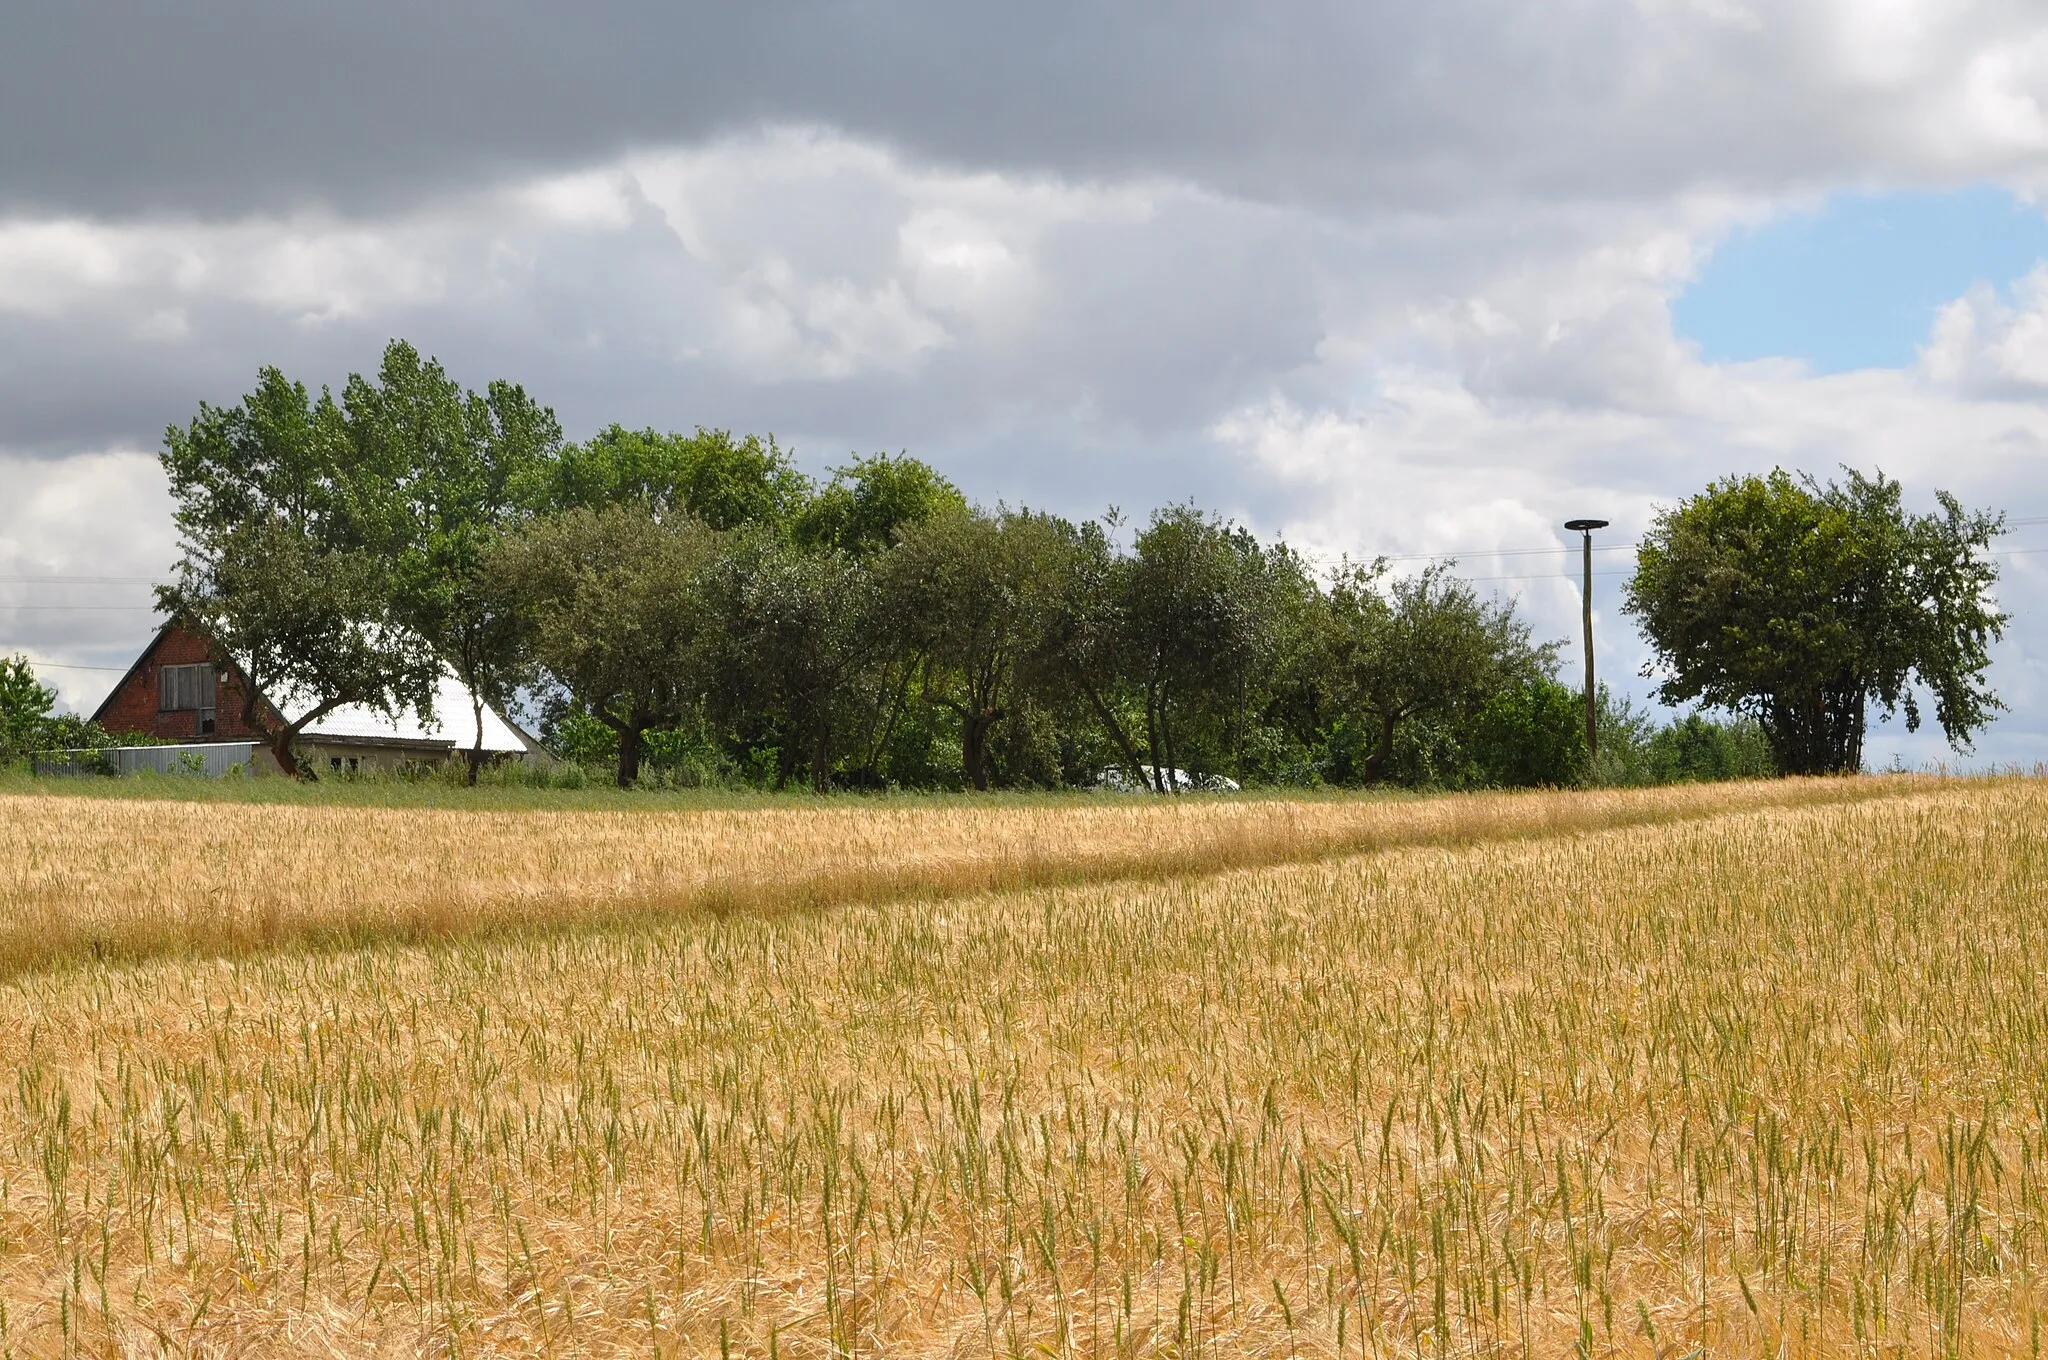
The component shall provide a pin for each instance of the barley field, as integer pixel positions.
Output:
(1743, 1070)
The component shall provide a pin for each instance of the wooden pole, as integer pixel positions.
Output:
(1586, 613)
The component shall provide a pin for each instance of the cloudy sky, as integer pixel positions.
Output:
(1377, 276)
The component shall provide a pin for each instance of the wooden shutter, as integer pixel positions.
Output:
(184, 688)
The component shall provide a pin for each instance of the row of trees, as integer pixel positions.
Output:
(695, 603)
(695, 599)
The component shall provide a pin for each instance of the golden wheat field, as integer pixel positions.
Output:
(1742, 1070)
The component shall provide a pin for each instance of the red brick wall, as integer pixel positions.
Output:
(132, 707)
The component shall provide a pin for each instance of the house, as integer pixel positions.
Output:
(174, 692)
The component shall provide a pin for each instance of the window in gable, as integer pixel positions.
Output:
(186, 688)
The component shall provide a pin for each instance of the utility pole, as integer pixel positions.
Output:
(1586, 528)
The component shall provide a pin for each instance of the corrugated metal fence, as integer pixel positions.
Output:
(210, 760)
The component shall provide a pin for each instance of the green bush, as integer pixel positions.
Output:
(1532, 735)
(1636, 750)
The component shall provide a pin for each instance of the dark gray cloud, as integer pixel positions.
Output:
(220, 106)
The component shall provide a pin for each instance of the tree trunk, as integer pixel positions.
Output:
(1170, 778)
(1818, 730)
(1376, 763)
(1115, 728)
(1237, 734)
(1852, 720)
(476, 752)
(277, 739)
(281, 751)
(629, 754)
(1152, 744)
(873, 764)
(974, 730)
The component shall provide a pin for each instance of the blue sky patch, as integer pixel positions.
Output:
(1856, 284)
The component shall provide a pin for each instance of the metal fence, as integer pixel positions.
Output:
(208, 760)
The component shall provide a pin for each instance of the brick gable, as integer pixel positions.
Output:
(136, 703)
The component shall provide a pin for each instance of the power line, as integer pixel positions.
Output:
(79, 580)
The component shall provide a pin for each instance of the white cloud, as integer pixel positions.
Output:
(76, 536)
(1982, 343)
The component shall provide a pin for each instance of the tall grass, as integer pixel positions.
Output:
(1775, 1081)
(114, 879)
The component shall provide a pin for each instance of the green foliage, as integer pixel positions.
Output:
(675, 757)
(30, 723)
(1636, 750)
(1697, 748)
(869, 501)
(692, 610)
(462, 469)
(25, 707)
(795, 666)
(1195, 609)
(615, 614)
(1532, 734)
(288, 523)
(970, 594)
(1381, 654)
(1799, 605)
(728, 483)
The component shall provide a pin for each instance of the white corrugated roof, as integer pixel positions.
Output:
(454, 721)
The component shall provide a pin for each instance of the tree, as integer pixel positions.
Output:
(614, 606)
(284, 524)
(1529, 735)
(1800, 605)
(726, 482)
(461, 468)
(800, 634)
(1195, 609)
(971, 592)
(870, 500)
(1079, 653)
(25, 707)
(1425, 647)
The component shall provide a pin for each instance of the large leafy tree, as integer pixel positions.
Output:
(614, 603)
(1080, 656)
(801, 636)
(284, 520)
(972, 592)
(1801, 605)
(1195, 609)
(1414, 647)
(456, 470)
